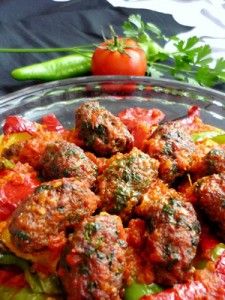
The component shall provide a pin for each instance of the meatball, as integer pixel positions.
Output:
(64, 159)
(173, 147)
(41, 221)
(210, 191)
(215, 161)
(124, 180)
(173, 233)
(101, 131)
(93, 262)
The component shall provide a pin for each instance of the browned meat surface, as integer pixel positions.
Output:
(215, 161)
(40, 221)
(93, 262)
(101, 131)
(210, 191)
(173, 233)
(173, 147)
(124, 180)
(64, 159)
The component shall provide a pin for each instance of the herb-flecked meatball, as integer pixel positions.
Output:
(173, 233)
(64, 159)
(210, 191)
(93, 262)
(101, 131)
(173, 147)
(124, 180)
(215, 161)
(41, 220)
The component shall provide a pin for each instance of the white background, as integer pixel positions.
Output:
(206, 16)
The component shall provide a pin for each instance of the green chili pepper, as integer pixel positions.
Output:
(59, 68)
(136, 290)
(200, 136)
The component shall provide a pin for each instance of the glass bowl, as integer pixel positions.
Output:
(115, 93)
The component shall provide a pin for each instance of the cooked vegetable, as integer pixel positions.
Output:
(219, 139)
(131, 230)
(217, 251)
(7, 293)
(46, 285)
(208, 283)
(136, 290)
(193, 112)
(139, 121)
(15, 124)
(212, 135)
(51, 123)
(131, 116)
(16, 183)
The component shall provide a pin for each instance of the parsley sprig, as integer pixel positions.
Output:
(190, 61)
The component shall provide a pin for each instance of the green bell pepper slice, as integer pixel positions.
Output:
(219, 139)
(217, 251)
(48, 285)
(7, 293)
(217, 135)
(136, 290)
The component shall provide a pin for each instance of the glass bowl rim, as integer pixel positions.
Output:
(104, 79)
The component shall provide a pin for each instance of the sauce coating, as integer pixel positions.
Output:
(93, 262)
(40, 222)
(101, 131)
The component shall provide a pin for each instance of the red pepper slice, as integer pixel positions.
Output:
(131, 116)
(12, 277)
(15, 186)
(17, 123)
(139, 121)
(208, 242)
(52, 123)
(220, 268)
(193, 112)
(189, 291)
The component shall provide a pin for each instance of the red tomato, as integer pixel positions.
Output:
(15, 123)
(119, 57)
(52, 123)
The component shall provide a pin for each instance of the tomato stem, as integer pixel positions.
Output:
(115, 39)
